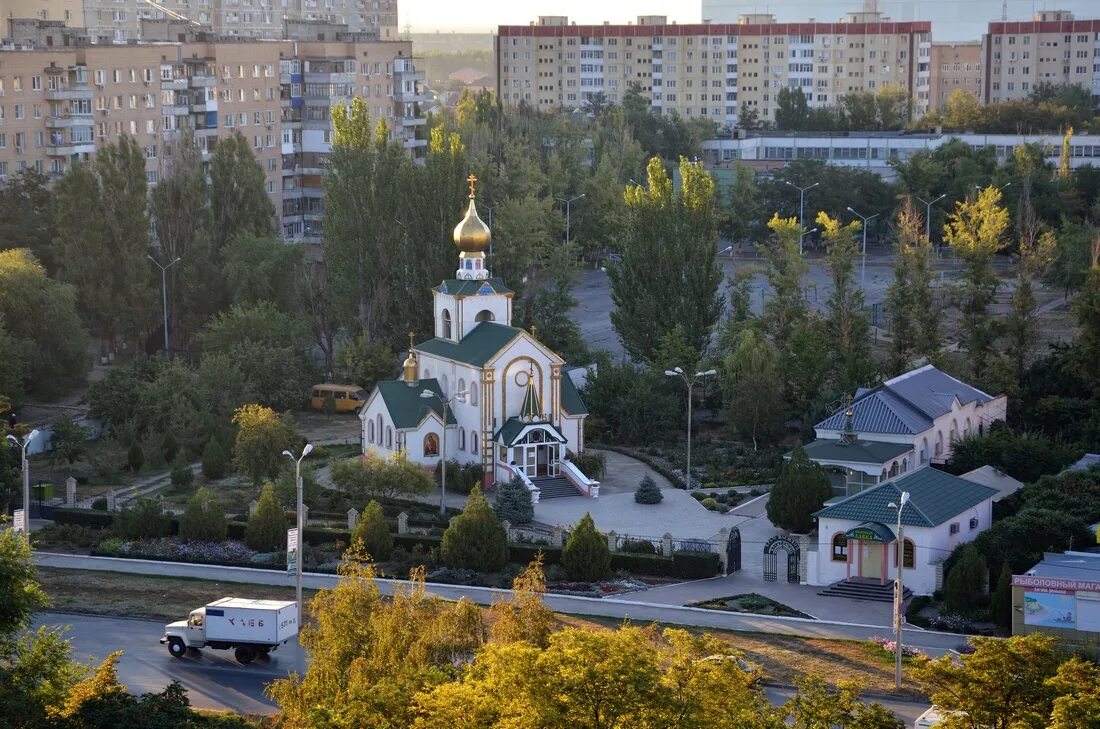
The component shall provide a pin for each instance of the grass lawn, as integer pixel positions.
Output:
(783, 659)
(750, 603)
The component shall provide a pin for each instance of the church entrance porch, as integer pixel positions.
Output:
(537, 459)
(869, 545)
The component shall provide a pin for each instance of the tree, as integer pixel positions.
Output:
(262, 436)
(1077, 705)
(475, 539)
(966, 581)
(1036, 251)
(68, 440)
(19, 584)
(13, 368)
(182, 475)
(1002, 684)
(741, 218)
(816, 707)
(362, 362)
(791, 111)
(42, 325)
(215, 460)
(751, 384)
(845, 324)
(135, 457)
(668, 275)
(976, 231)
(266, 530)
(240, 205)
(1000, 602)
(1022, 539)
(513, 502)
(374, 532)
(376, 477)
(786, 267)
(203, 518)
(1086, 309)
(522, 616)
(801, 489)
(585, 555)
(648, 492)
(142, 518)
(914, 316)
(962, 111)
(101, 218)
(264, 269)
(25, 220)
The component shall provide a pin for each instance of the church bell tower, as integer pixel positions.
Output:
(472, 238)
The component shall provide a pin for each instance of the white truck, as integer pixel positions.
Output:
(250, 627)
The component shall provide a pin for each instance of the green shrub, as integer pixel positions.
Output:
(266, 531)
(374, 531)
(99, 503)
(460, 478)
(801, 489)
(513, 502)
(135, 458)
(591, 464)
(169, 448)
(965, 582)
(585, 555)
(182, 476)
(648, 492)
(695, 565)
(475, 539)
(94, 518)
(215, 460)
(142, 519)
(710, 503)
(203, 519)
(1000, 603)
(638, 546)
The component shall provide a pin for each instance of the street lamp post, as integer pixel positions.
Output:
(899, 590)
(863, 263)
(979, 188)
(928, 215)
(568, 203)
(164, 294)
(802, 237)
(690, 382)
(801, 206)
(301, 526)
(446, 403)
(22, 446)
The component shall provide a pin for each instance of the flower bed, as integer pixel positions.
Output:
(890, 646)
(597, 589)
(173, 550)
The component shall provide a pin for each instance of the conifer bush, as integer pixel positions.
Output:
(169, 448)
(802, 488)
(965, 583)
(475, 538)
(181, 473)
(266, 530)
(215, 460)
(374, 531)
(203, 519)
(135, 458)
(648, 492)
(586, 556)
(513, 502)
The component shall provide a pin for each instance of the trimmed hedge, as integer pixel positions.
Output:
(84, 517)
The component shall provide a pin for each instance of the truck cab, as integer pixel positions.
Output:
(191, 632)
(250, 627)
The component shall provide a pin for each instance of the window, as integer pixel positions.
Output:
(370, 431)
(954, 528)
(462, 439)
(389, 437)
(431, 444)
(473, 442)
(472, 398)
(973, 523)
(840, 547)
(446, 318)
(909, 560)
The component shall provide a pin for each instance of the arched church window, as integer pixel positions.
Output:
(462, 439)
(446, 323)
(473, 393)
(431, 445)
(379, 429)
(461, 384)
(893, 469)
(484, 315)
(389, 437)
(443, 384)
(370, 431)
(473, 442)
(840, 547)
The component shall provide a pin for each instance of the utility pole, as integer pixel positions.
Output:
(801, 208)
(301, 526)
(568, 203)
(899, 589)
(928, 215)
(164, 294)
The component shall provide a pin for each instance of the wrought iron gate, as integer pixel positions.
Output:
(771, 552)
(733, 551)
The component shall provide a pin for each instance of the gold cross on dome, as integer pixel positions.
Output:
(412, 337)
(472, 179)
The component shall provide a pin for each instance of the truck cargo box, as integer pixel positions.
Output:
(241, 620)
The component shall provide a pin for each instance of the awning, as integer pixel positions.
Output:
(871, 531)
(515, 429)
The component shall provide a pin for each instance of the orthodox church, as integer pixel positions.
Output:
(480, 390)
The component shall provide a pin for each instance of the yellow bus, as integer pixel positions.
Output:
(347, 398)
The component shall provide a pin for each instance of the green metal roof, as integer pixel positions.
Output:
(571, 401)
(862, 451)
(473, 287)
(405, 405)
(935, 497)
(871, 531)
(483, 341)
(513, 426)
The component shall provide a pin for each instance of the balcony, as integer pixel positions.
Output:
(74, 92)
(201, 82)
(411, 121)
(415, 143)
(69, 120)
(174, 84)
(175, 110)
(69, 148)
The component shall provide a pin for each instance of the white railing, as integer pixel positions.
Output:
(586, 485)
(518, 472)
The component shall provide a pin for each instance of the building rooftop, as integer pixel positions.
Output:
(1068, 566)
(994, 478)
(935, 497)
(406, 406)
(483, 341)
(860, 451)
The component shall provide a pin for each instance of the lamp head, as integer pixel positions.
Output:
(904, 498)
(583, 194)
(670, 373)
(708, 373)
(814, 185)
(678, 370)
(150, 258)
(307, 450)
(852, 211)
(15, 440)
(30, 435)
(289, 455)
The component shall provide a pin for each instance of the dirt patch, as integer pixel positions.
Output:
(751, 603)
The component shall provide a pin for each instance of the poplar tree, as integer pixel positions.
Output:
(669, 274)
(239, 203)
(976, 231)
(845, 324)
(910, 300)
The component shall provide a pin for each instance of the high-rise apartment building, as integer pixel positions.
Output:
(1053, 48)
(58, 104)
(711, 70)
(119, 21)
(955, 67)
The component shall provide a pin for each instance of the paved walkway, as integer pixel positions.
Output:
(616, 608)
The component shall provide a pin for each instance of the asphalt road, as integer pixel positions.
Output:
(214, 680)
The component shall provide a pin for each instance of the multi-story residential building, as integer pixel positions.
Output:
(955, 67)
(873, 151)
(1051, 48)
(120, 21)
(710, 71)
(58, 104)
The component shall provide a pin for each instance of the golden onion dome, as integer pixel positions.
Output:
(472, 234)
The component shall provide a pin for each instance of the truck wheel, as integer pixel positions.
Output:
(244, 654)
(176, 648)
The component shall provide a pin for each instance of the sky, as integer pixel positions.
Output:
(951, 19)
